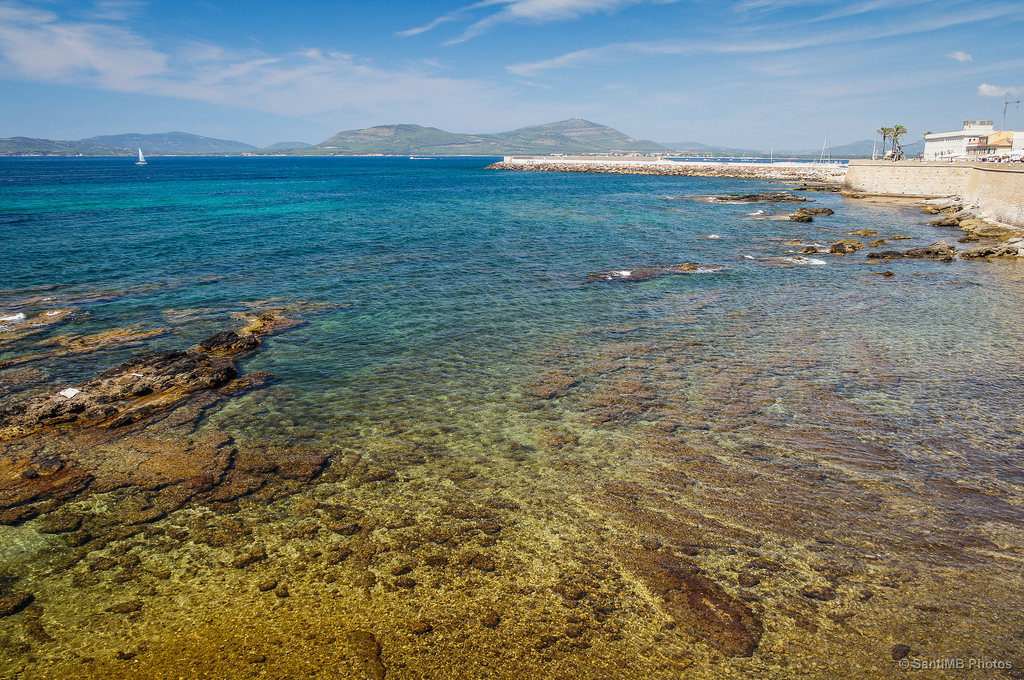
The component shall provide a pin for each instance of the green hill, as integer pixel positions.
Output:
(31, 146)
(574, 136)
(171, 143)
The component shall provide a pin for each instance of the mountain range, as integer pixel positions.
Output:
(573, 136)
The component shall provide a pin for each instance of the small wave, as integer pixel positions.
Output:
(749, 257)
(714, 236)
(756, 212)
(4, 318)
(804, 260)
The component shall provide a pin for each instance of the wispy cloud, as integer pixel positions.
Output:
(960, 56)
(745, 38)
(525, 11)
(44, 47)
(986, 90)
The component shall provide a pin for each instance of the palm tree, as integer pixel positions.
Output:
(884, 131)
(895, 133)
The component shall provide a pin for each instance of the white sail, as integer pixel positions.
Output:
(142, 159)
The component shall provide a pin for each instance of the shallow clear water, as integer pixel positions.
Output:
(843, 428)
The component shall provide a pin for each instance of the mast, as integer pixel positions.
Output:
(1006, 102)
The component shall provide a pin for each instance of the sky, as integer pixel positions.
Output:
(754, 74)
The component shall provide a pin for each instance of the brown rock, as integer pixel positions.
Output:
(367, 651)
(244, 560)
(800, 217)
(698, 603)
(420, 627)
(823, 593)
(14, 602)
(59, 523)
(844, 246)
(817, 212)
(229, 342)
(490, 619)
(126, 607)
(269, 584)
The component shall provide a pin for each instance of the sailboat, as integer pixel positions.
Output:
(142, 159)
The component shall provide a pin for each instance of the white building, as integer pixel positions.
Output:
(952, 146)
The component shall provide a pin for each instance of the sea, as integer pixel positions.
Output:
(777, 463)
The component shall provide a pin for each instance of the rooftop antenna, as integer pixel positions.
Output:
(1006, 102)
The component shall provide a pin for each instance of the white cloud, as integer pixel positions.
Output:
(41, 46)
(986, 90)
(960, 56)
(526, 11)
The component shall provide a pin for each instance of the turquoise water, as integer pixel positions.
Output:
(775, 406)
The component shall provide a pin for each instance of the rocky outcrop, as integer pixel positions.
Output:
(942, 251)
(1013, 247)
(817, 212)
(773, 197)
(121, 395)
(844, 246)
(647, 272)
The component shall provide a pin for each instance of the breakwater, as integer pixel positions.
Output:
(815, 172)
(996, 190)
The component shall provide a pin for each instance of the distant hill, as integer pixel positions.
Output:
(685, 145)
(171, 142)
(31, 146)
(282, 146)
(600, 136)
(575, 136)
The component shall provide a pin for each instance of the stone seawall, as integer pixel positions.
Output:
(910, 178)
(997, 190)
(813, 172)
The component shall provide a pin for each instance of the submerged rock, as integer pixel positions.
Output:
(942, 251)
(775, 197)
(817, 212)
(647, 272)
(698, 603)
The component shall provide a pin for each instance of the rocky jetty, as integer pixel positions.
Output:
(648, 272)
(822, 177)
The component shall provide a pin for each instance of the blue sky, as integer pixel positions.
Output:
(761, 74)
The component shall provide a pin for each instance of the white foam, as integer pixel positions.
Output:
(756, 212)
(622, 273)
(12, 317)
(714, 236)
(749, 257)
(58, 313)
(804, 260)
